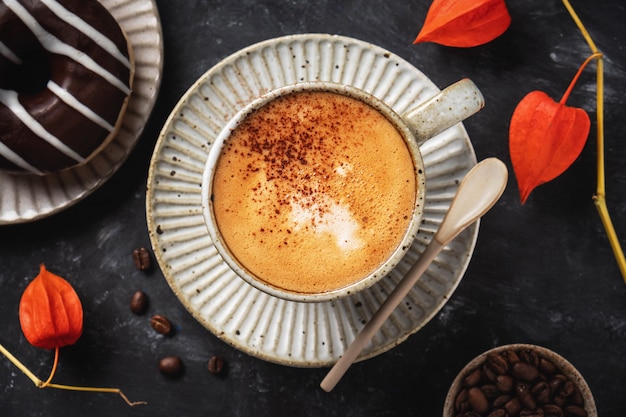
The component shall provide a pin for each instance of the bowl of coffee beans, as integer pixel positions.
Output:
(519, 380)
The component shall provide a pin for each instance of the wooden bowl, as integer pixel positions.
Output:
(480, 373)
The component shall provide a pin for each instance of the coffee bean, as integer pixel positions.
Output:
(531, 413)
(552, 410)
(477, 400)
(513, 407)
(497, 363)
(504, 383)
(460, 402)
(490, 390)
(512, 356)
(170, 365)
(500, 412)
(541, 391)
(215, 365)
(161, 324)
(522, 392)
(576, 398)
(501, 400)
(139, 302)
(546, 366)
(560, 401)
(556, 382)
(529, 356)
(141, 258)
(489, 374)
(473, 378)
(525, 371)
(567, 389)
(574, 411)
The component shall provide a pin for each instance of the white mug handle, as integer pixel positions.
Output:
(447, 108)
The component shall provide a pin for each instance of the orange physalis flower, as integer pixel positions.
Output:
(546, 137)
(51, 316)
(464, 23)
(50, 311)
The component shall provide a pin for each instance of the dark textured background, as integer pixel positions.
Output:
(542, 273)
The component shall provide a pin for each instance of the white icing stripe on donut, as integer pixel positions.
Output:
(55, 45)
(78, 23)
(9, 99)
(8, 54)
(71, 101)
(17, 160)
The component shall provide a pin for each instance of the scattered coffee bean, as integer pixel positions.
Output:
(215, 365)
(170, 365)
(139, 302)
(518, 384)
(161, 324)
(141, 258)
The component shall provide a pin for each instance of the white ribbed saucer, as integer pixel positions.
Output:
(288, 332)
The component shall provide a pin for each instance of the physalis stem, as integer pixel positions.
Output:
(600, 197)
(47, 384)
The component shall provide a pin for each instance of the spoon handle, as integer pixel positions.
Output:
(385, 310)
(477, 193)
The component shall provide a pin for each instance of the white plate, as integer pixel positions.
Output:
(285, 332)
(28, 197)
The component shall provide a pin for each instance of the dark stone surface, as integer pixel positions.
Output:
(542, 273)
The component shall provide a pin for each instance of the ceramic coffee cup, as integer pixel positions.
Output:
(315, 191)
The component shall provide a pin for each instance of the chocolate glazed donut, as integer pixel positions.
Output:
(66, 72)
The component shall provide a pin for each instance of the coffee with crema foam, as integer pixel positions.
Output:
(313, 191)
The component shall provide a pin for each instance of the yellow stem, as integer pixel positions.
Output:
(102, 390)
(39, 383)
(20, 366)
(54, 368)
(600, 197)
(581, 27)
